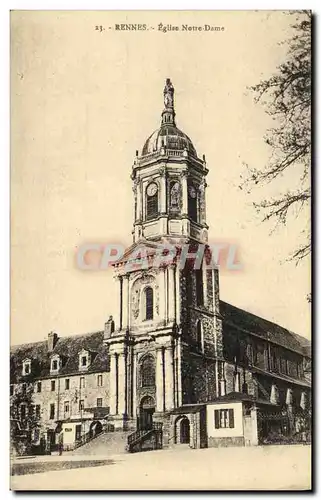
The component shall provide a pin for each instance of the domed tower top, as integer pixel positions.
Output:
(168, 135)
(169, 183)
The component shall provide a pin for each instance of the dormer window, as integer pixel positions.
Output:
(84, 359)
(55, 363)
(26, 367)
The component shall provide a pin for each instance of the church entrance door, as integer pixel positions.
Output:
(184, 431)
(147, 409)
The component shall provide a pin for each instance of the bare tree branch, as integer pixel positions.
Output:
(286, 97)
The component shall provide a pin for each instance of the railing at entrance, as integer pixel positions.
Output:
(85, 438)
(148, 439)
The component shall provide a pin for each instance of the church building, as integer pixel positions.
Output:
(180, 366)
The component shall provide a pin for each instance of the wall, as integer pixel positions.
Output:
(198, 377)
(69, 434)
(229, 436)
(89, 394)
(238, 420)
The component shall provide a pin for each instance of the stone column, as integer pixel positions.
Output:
(134, 384)
(179, 372)
(162, 294)
(134, 189)
(120, 302)
(169, 379)
(202, 202)
(222, 387)
(139, 202)
(216, 291)
(171, 293)
(159, 380)
(204, 276)
(163, 194)
(122, 396)
(143, 186)
(237, 378)
(178, 296)
(129, 382)
(125, 302)
(222, 380)
(254, 438)
(184, 193)
(113, 385)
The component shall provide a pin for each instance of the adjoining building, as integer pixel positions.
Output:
(180, 366)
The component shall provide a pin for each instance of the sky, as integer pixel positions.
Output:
(83, 101)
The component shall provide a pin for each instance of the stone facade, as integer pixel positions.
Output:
(175, 349)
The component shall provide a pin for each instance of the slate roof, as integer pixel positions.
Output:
(66, 347)
(263, 328)
(241, 396)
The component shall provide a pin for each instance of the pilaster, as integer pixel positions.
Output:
(160, 380)
(171, 293)
(169, 379)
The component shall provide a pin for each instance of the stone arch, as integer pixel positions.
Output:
(137, 297)
(182, 429)
(152, 201)
(95, 428)
(146, 411)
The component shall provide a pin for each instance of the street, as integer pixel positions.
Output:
(257, 468)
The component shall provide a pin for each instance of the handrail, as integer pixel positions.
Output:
(141, 434)
(86, 438)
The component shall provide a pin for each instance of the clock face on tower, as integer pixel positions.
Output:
(152, 189)
(192, 192)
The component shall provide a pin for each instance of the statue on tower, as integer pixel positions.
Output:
(169, 94)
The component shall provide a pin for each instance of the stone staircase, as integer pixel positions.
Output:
(107, 443)
(146, 439)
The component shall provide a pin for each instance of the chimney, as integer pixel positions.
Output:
(109, 327)
(52, 341)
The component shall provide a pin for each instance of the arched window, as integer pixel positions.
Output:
(149, 303)
(192, 202)
(147, 372)
(151, 201)
(199, 336)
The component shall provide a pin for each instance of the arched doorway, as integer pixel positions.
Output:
(147, 409)
(95, 428)
(184, 431)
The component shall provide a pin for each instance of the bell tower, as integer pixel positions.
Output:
(166, 350)
(169, 183)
